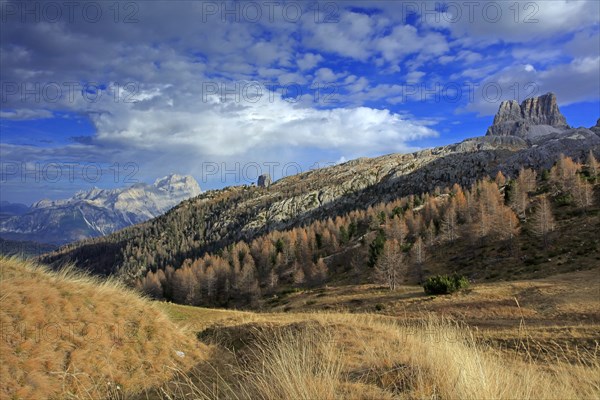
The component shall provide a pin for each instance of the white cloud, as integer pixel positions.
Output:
(24, 114)
(414, 77)
(308, 61)
(350, 37)
(405, 40)
(573, 82)
(481, 23)
(225, 129)
(326, 75)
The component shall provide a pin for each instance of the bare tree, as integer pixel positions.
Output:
(543, 222)
(430, 234)
(396, 228)
(418, 257)
(450, 225)
(272, 280)
(210, 283)
(519, 198)
(583, 194)
(390, 267)
(593, 167)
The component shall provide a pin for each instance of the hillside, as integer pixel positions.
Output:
(69, 336)
(497, 229)
(406, 350)
(216, 219)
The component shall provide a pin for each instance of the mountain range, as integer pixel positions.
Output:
(531, 135)
(96, 212)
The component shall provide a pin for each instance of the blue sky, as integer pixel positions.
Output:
(98, 95)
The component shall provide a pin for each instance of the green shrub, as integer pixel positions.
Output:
(444, 284)
(379, 307)
(564, 200)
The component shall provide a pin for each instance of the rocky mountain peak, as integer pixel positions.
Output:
(535, 116)
(543, 110)
(510, 110)
(98, 211)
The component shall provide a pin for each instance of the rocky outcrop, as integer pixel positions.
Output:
(264, 181)
(596, 128)
(98, 212)
(535, 117)
(543, 110)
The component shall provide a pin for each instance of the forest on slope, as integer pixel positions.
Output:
(403, 238)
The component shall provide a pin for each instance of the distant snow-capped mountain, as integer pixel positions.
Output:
(97, 212)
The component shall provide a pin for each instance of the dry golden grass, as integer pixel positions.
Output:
(561, 312)
(67, 335)
(324, 355)
(244, 355)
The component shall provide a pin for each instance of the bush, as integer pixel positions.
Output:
(444, 284)
(379, 307)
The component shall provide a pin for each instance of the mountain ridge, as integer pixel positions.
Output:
(97, 211)
(221, 217)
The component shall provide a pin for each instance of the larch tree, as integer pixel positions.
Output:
(150, 284)
(299, 275)
(543, 222)
(397, 229)
(320, 272)
(418, 253)
(302, 247)
(519, 196)
(390, 268)
(460, 201)
(414, 221)
(449, 225)
(583, 194)
(483, 222)
(430, 234)
(500, 179)
(185, 286)
(506, 225)
(272, 280)
(592, 166)
(564, 174)
(210, 283)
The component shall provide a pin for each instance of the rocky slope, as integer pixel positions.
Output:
(217, 218)
(97, 212)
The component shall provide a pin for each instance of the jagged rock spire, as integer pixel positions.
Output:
(515, 120)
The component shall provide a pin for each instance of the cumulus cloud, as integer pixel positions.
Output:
(169, 90)
(308, 61)
(230, 128)
(516, 21)
(573, 82)
(405, 40)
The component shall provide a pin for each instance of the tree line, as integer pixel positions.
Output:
(399, 236)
